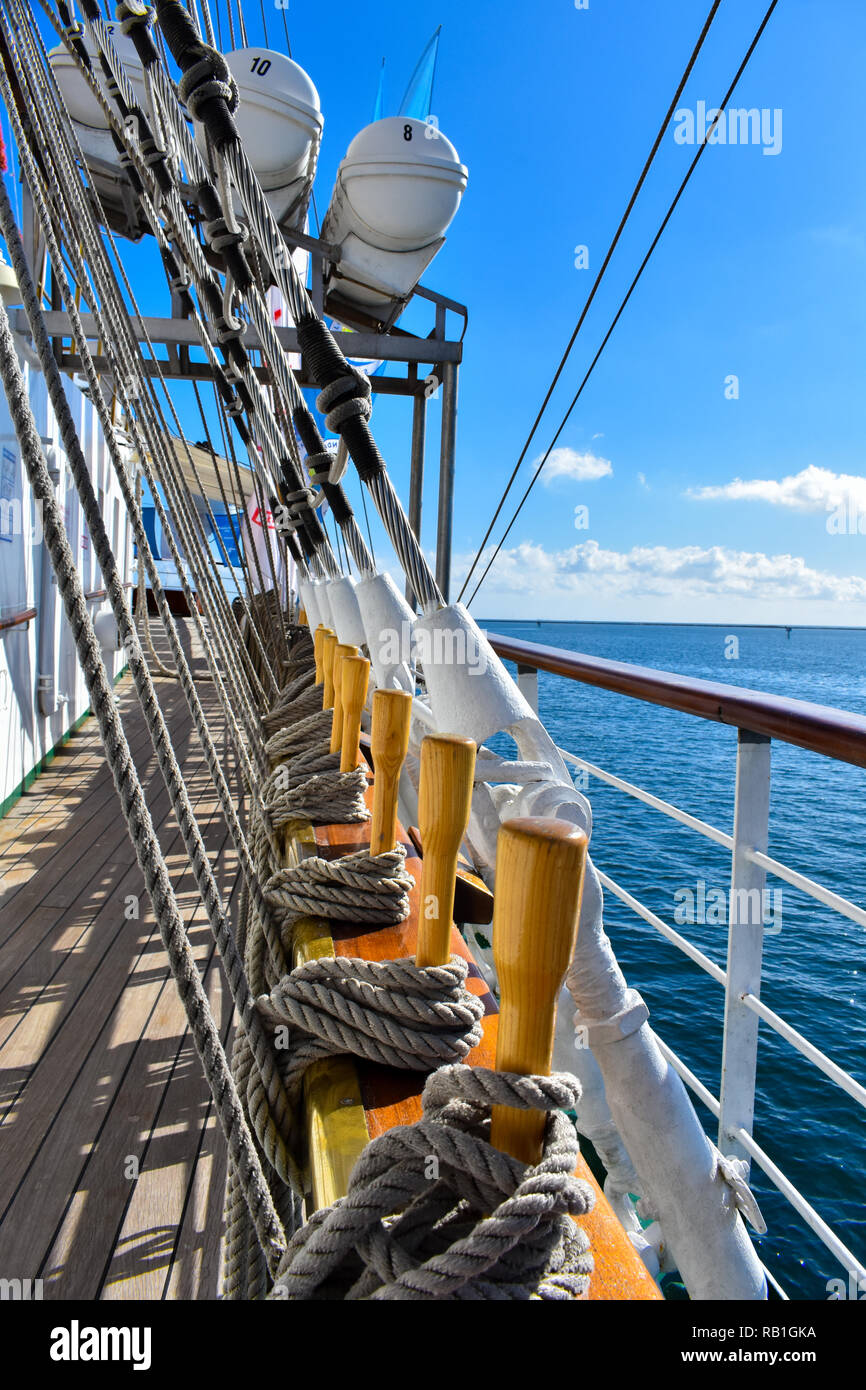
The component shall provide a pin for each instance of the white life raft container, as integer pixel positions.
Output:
(91, 128)
(87, 115)
(397, 190)
(279, 121)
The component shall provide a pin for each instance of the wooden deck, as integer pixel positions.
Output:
(99, 1078)
(112, 1167)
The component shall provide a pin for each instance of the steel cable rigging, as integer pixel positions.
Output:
(691, 169)
(597, 282)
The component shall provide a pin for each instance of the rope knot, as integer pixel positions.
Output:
(321, 798)
(383, 1011)
(434, 1212)
(344, 399)
(360, 887)
(133, 14)
(220, 236)
(319, 466)
(208, 78)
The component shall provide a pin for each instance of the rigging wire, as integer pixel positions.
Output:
(598, 279)
(208, 23)
(691, 169)
(369, 533)
(183, 511)
(282, 9)
(269, 423)
(82, 216)
(218, 473)
(242, 24)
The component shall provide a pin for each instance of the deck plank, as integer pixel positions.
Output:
(80, 792)
(169, 1159)
(94, 1048)
(43, 1025)
(87, 1065)
(55, 937)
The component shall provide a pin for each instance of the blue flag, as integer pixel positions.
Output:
(379, 108)
(419, 94)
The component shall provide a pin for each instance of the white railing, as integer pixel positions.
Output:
(750, 864)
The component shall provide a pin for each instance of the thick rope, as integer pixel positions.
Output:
(360, 887)
(395, 1013)
(155, 435)
(142, 834)
(198, 857)
(119, 334)
(434, 1212)
(298, 738)
(324, 799)
(307, 702)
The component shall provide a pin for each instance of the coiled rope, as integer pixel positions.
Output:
(434, 1212)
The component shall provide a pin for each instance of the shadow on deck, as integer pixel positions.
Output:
(112, 1165)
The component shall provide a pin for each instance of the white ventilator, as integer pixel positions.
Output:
(396, 192)
(636, 1103)
(279, 121)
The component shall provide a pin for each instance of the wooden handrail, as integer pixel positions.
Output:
(834, 733)
(103, 593)
(28, 614)
(17, 619)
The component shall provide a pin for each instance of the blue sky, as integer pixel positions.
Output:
(759, 275)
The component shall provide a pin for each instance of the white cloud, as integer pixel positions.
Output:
(660, 572)
(641, 477)
(813, 489)
(568, 463)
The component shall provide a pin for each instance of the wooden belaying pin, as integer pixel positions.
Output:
(539, 879)
(389, 743)
(318, 638)
(354, 676)
(329, 646)
(444, 800)
(341, 650)
(302, 618)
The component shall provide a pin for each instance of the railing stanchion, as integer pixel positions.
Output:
(745, 941)
(527, 684)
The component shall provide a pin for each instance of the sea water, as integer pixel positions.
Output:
(814, 960)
